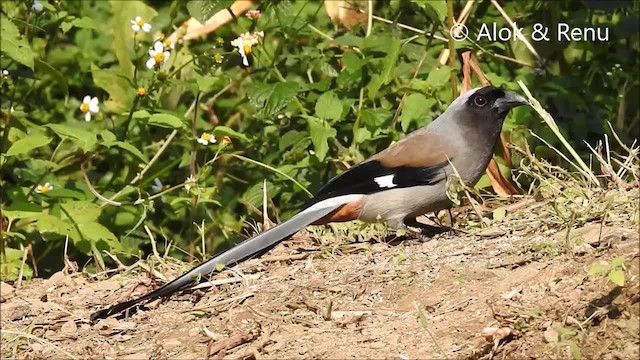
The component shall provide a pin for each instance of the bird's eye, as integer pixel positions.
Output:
(480, 101)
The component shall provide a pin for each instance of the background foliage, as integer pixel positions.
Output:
(315, 98)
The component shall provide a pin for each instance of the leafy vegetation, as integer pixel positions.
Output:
(187, 134)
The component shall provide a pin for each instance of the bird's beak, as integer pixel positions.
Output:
(508, 102)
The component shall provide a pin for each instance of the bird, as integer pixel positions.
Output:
(407, 179)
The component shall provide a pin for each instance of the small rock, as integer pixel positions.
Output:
(141, 355)
(193, 332)
(551, 335)
(6, 291)
(69, 329)
(173, 343)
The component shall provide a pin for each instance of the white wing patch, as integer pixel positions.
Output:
(385, 181)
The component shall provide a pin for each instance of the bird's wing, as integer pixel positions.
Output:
(418, 159)
(255, 246)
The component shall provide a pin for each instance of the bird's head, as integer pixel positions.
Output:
(488, 104)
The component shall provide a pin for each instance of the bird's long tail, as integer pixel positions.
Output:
(243, 251)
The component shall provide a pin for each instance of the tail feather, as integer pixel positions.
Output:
(241, 252)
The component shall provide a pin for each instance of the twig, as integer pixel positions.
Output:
(285, 257)
(25, 254)
(232, 280)
(223, 302)
(153, 245)
(514, 27)
(407, 27)
(548, 119)
(83, 170)
(230, 342)
(140, 175)
(40, 340)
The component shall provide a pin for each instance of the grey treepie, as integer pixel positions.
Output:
(406, 180)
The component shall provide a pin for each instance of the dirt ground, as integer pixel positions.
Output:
(519, 288)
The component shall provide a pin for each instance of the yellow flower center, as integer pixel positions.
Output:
(44, 189)
(84, 107)
(141, 91)
(167, 43)
(159, 58)
(247, 48)
(140, 23)
(206, 136)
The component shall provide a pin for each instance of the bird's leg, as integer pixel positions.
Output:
(425, 229)
(402, 229)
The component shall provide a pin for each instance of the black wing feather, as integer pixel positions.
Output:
(360, 179)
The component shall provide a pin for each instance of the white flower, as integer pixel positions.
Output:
(138, 24)
(158, 55)
(245, 42)
(206, 139)
(168, 45)
(5, 73)
(191, 181)
(43, 189)
(37, 6)
(157, 185)
(89, 105)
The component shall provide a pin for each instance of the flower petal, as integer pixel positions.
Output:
(94, 101)
(138, 18)
(135, 27)
(151, 63)
(202, 141)
(158, 47)
(87, 116)
(94, 108)
(212, 140)
(86, 99)
(245, 61)
(152, 52)
(166, 56)
(146, 27)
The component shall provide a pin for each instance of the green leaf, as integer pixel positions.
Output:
(108, 138)
(320, 132)
(271, 98)
(617, 277)
(282, 95)
(165, 121)
(140, 114)
(413, 109)
(202, 10)
(51, 224)
(120, 90)
(95, 232)
(13, 45)
(439, 77)
(87, 139)
(224, 130)
(328, 106)
(123, 12)
(388, 68)
(21, 210)
(82, 211)
(133, 150)
(61, 80)
(84, 22)
(352, 62)
(617, 262)
(499, 213)
(27, 144)
(438, 7)
(598, 269)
